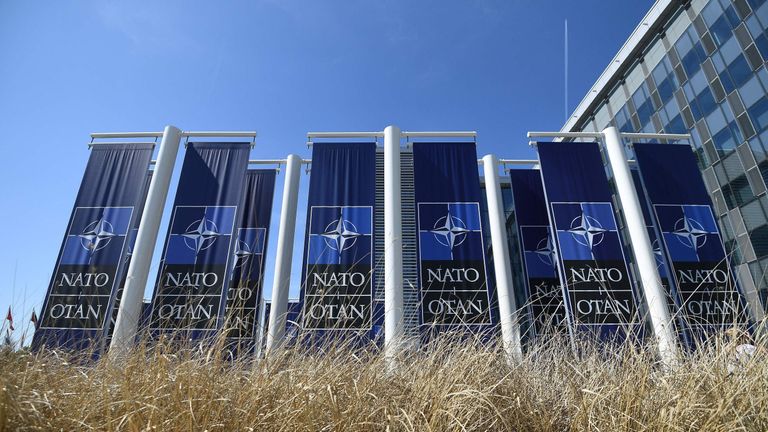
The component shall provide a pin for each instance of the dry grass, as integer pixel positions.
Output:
(450, 385)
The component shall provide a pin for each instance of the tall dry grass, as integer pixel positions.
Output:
(449, 385)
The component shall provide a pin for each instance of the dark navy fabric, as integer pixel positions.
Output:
(337, 278)
(85, 279)
(707, 293)
(246, 284)
(543, 297)
(115, 307)
(600, 296)
(575, 172)
(343, 174)
(451, 251)
(671, 174)
(191, 285)
(446, 172)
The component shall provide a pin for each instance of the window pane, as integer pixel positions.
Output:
(716, 121)
(759, 239)
(759, 114)
(751, 92)
(740, 71)
(691, 62)
(712, 12)
(721, 30)
(730, 50)
(667, 89)
(726, 140)
(741, 190)
(757, 149)
(676, 126)
(644, 112)
(761, 42)
(753, 214)
(706, 101)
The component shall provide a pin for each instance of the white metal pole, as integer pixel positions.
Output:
(650, 279)
(128, 315)
(283, 261)
(510, 324)
(393, 245)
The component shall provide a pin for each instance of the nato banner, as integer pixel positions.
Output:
(337, 287)
(683, 211)
(90, 260)
(593, 269)
(544, 295)
(451, 253)
(193, 275)
(245, 287)
(127, 259)
(662, 265)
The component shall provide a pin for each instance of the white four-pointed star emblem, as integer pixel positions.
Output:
(242, 253)
(340, 234)
(97, 235)
(587, 231)
(545, 251)
(450, 231)
(200, 235)
(690, 233)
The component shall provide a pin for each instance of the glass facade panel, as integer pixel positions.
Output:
(602, 117)
(691, 97)
(666, 82)
(759, 238)
(758, 113)
(690, 51)
(754, 216)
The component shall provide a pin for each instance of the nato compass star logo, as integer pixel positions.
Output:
(450, 231)
(690, 233)
(97, 235)
(587, 231)
(545, 251)
(243, 253)
(250, 244)
(201, 234)
(340, 234)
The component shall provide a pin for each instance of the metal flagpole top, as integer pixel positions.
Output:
(220, 134)
(188, 134)
(564, 135)
(599, 135)
(438, 134)
(513, 161)
(96, 144)
(406, 134)
(107, 135)
(345, 134)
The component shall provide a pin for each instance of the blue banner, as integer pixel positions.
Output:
(599, 293)
(337, 284)
(127, 259)
(91, 258)
(662, 264)
(451, 254)
(246, 285)
(194, 268)
(544, 295)
(706, 290)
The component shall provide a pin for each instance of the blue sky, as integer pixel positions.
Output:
(281, 67)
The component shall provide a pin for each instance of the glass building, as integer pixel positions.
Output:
(699, 67)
